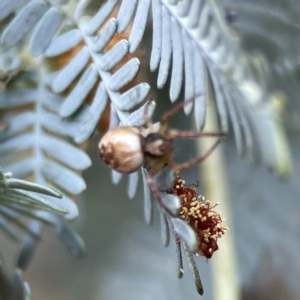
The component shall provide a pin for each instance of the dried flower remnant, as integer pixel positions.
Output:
(198, 213)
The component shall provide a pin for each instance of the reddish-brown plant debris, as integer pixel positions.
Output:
(198, 213)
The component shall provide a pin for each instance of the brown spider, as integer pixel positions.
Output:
(127, 148)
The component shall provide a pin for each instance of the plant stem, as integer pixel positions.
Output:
(224, 261)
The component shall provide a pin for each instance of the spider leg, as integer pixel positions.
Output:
(194, 161)
(173, 134)
(147, 119)
(157, 195)
(167, 115)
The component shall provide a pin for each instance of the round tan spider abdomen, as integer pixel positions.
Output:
(122, 149)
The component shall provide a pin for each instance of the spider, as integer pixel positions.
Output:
(127, 148)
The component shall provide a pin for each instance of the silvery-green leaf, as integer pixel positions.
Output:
(204, 23)
(26, 212)
(56, 124)
(133, 96)
(13, 217)
(45, 31)
(10, 62)
(189, 73)
(177, 62)
(235, 123)
(220, 101)
(124, 75)
(104, 36)
(177, 244)
(29, 245)
(157, 35)
(79, 92)
(18, 123)
(70, 205)
(52, 101)
(81, 8)
(65, 152)
(90, 121)
(125, 14)
(172, 203)
(63, 43)
(165, 232)
(111, 58)
(18, 143)
(164, 180)
(113, 117)
(80, 114)
(193, 266)
(116, 176)
(139, 24)
(205, 29)
(194, 14)
(16, 97)
(33, 187)
(21, 168)
(19, 292)
(132, 184)
(71, 71)
(31, 200)
(185, 233)
(137, 118)
(23, 22)
(200, 90)
(7, 7)
(99, 18)
(68, 236)
(166, 50)
(183, 8)
(180, 270)
(47, 83)
(63, 177)
(148, 202)
(27, 290)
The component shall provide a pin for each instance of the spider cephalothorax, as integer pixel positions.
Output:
(126, 149)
